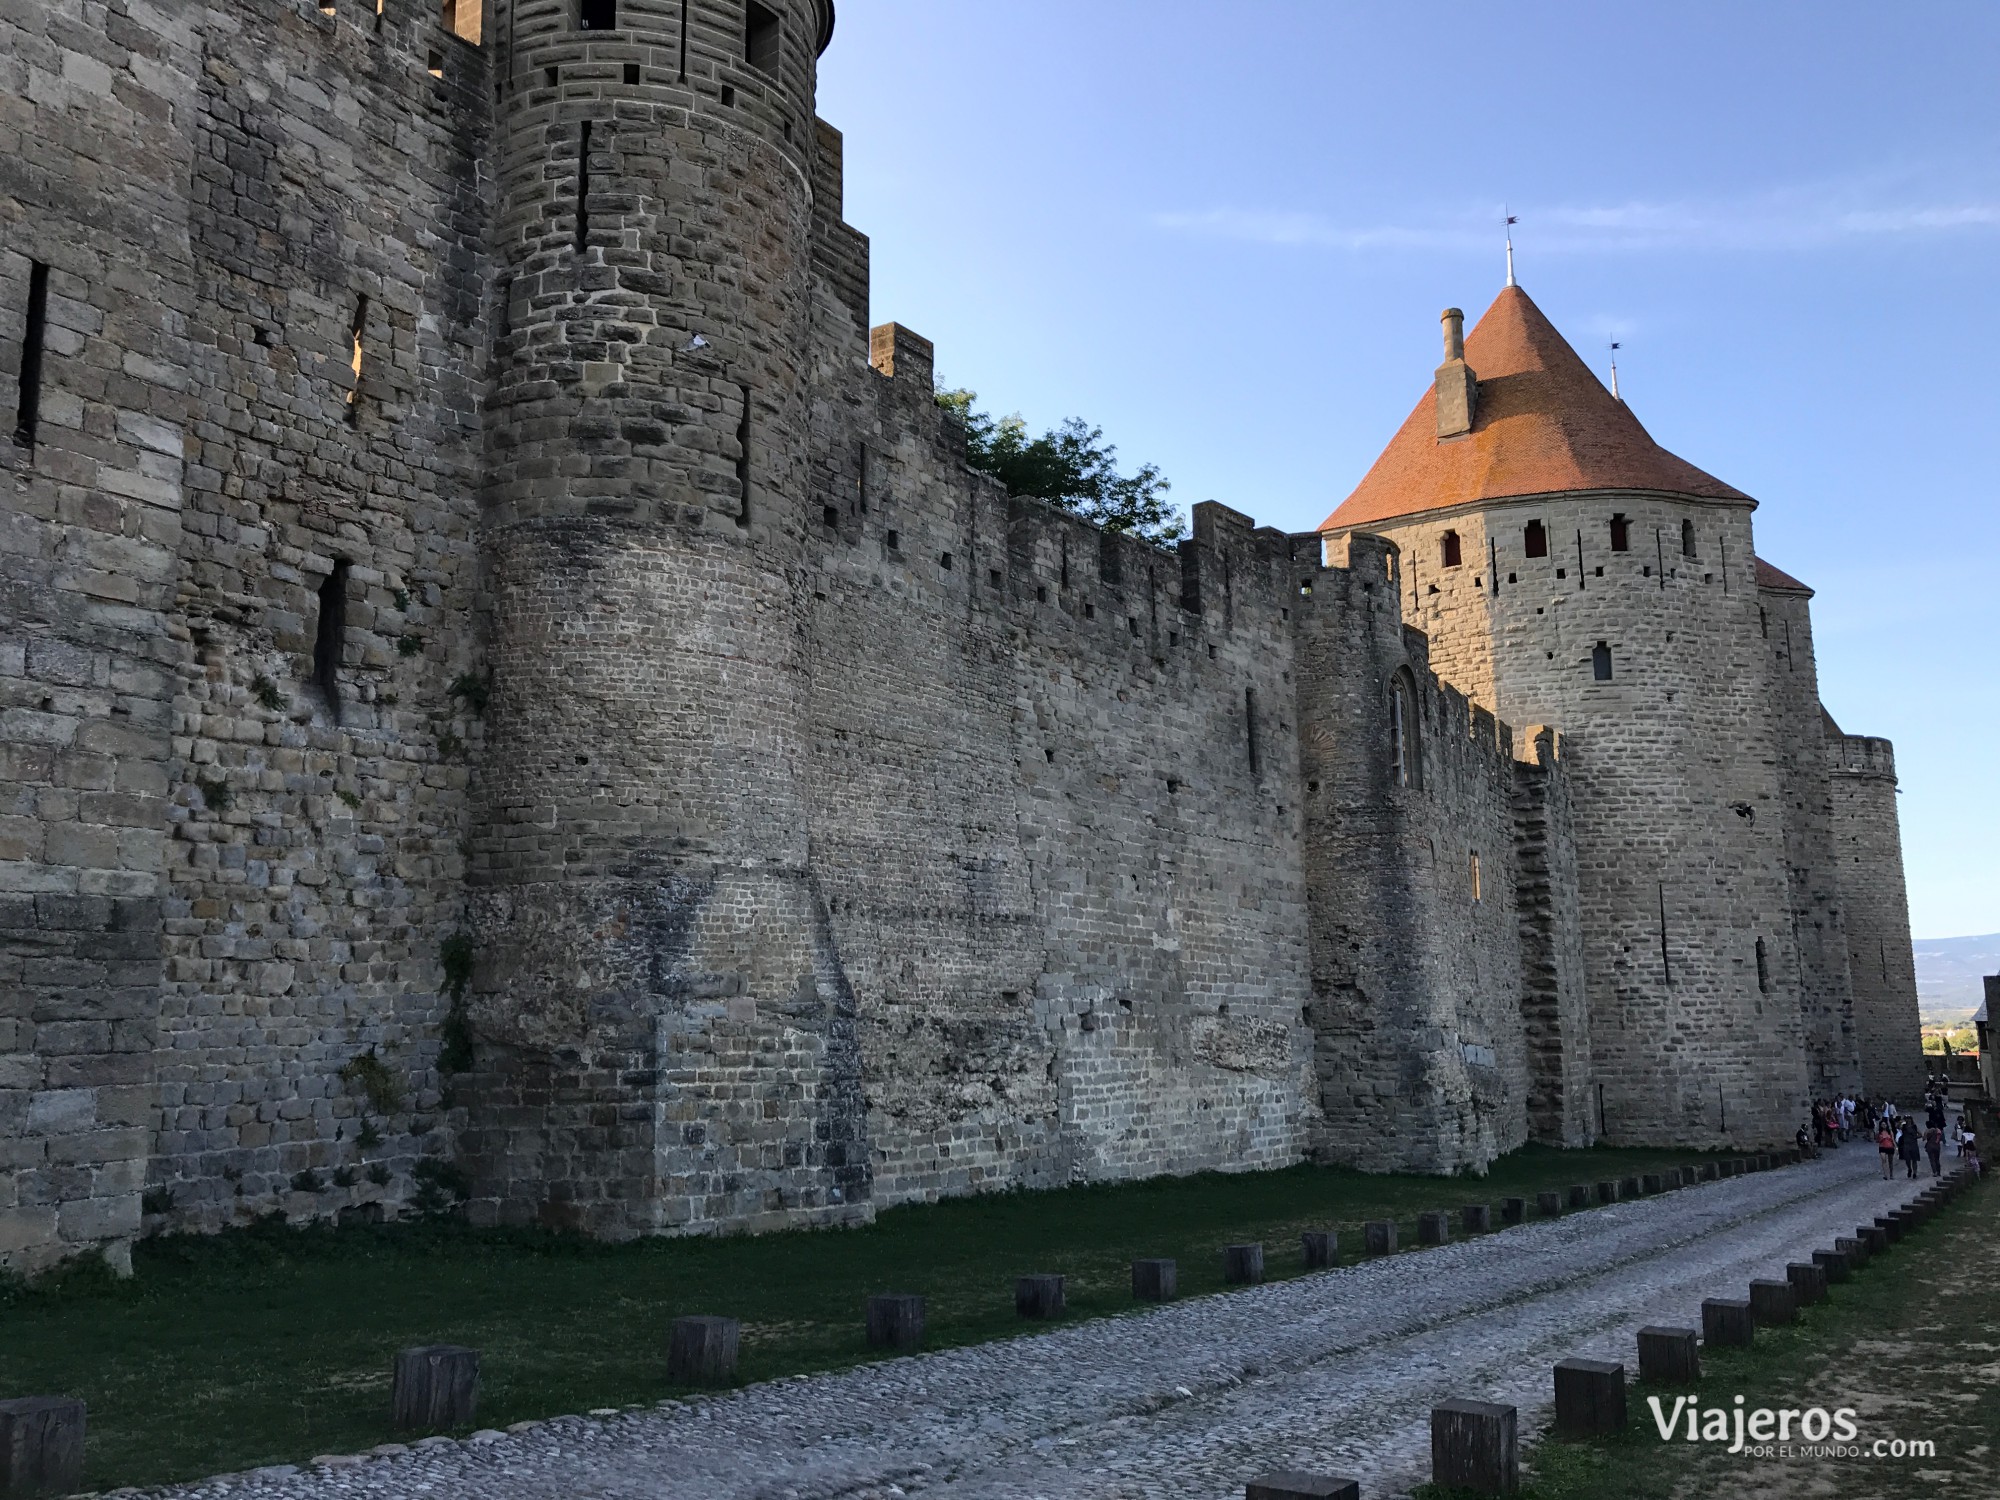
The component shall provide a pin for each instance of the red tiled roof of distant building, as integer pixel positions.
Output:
(1544, 424)
(1769, 577)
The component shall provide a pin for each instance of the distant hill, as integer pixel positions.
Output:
(1949, 971)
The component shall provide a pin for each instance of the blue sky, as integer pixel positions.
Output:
(1223, 232)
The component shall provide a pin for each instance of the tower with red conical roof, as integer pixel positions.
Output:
(1569, 571)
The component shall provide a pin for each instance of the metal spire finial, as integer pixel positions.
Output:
(1512, 220)
(1615, 346)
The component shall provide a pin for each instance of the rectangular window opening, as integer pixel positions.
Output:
(831, 515)
(631, 72)
(330, 638)
(434, 63)
(28, 406)
(894, 541)
(993, 577)
(1621, 534)
(1535, 540)
(742, 459)
(583, 187)
(944, 561)
(462, 19)
(763, 37)
(1452, 553)
(1600, 662)
(597, 15)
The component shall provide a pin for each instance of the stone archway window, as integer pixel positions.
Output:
(1406, 730)
(1450, 549)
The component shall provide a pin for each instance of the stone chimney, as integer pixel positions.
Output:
(1457, 387)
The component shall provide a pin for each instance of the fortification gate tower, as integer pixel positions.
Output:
(665, 1034)
(1571, 572)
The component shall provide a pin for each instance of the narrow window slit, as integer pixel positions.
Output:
(28, 406)
(357, 336)
(1250, 729)
(583, 187)
(330, 638)
(743, 461)
(597, 15)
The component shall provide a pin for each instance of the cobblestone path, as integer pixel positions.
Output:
(1335, 1372)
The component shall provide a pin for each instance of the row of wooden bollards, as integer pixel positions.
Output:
(436, 1386)
(1475, 1445)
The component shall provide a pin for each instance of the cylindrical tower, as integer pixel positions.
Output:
(664, 1035)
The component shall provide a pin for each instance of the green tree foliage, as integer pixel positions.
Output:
(1070, 466)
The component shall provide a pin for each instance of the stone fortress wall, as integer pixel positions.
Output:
(511, 692)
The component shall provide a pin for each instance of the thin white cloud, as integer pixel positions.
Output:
(1780, 220)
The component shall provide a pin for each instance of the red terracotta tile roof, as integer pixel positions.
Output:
(1544, 425)
(1769, 577)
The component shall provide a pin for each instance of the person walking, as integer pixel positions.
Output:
(1886, 1144)
(1909, 1147)
(1934, 1144)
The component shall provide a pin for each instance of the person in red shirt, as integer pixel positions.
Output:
(1885, 1143)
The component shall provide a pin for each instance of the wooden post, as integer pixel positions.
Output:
(1708, 1171)
(1590, 1397)
(1243, 1265)
(1474, 1446)
(1772, 1303)
(1653, 1182)
(1290, 1485)
(1434, 1228)
(1322, 1248)
(1579, 1195)
(1378, 1236)
(1155, 1280)
(1513, 1210)
(1726, 1321)
(1669, 1356)
(1629, 1188)
(1548, 1205)
(1833, 1263)
(1476, 1218)
(1038, 1296)
(702, 1350)
(436, 1388)
(1874, 1238)
(896, 1321)
(1808, 1282)
(41, 1446)
(1607, 1192)
(1856, 1252)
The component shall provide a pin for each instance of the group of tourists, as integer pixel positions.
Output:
(1897, 1134)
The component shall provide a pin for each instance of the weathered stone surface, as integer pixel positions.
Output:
(515, 695)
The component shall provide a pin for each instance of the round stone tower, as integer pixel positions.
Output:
(663, 1036)
(1571, 572)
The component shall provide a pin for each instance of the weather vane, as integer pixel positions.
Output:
(1615, 347)
(1512, 220)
